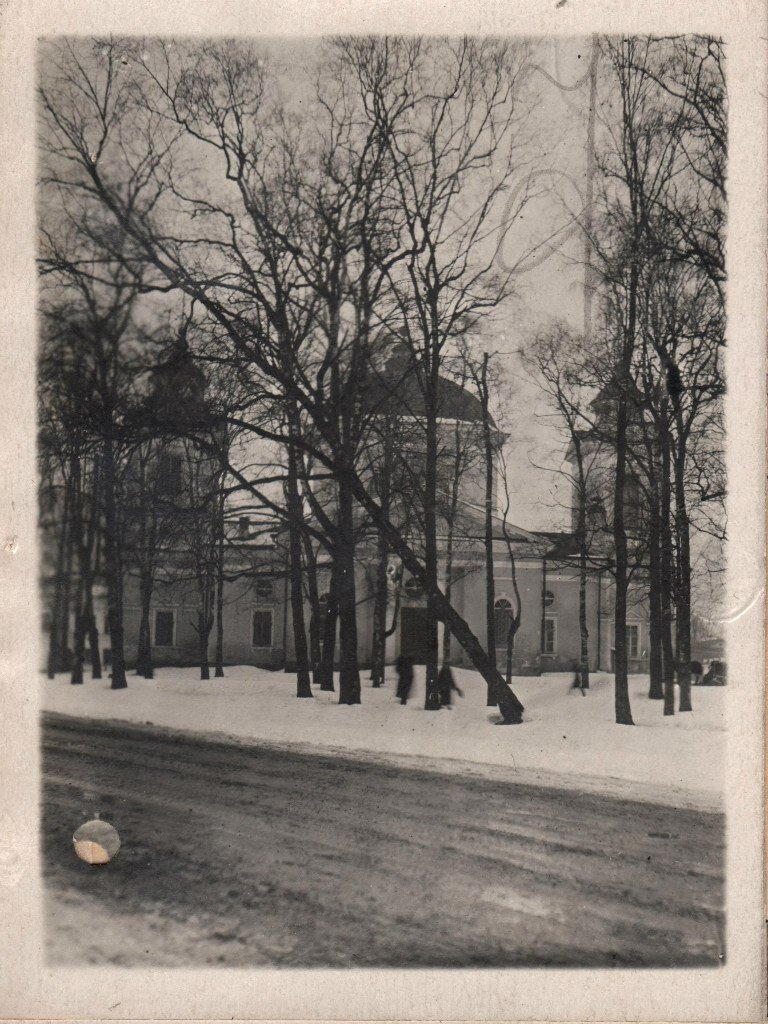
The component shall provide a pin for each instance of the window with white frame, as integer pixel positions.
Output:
(164, 627)
(550, 635)
(633, 639)
(633, 635)
(262, 627)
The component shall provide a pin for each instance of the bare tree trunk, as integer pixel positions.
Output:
(623, 381)
(303, 687)
(93, 637)
(583, 627)
(78, 541)
(510, 707)
(66, 601)
(78, 646)
(146, 510)
(516, 614)
(54, 637)
(349, 674)
(204, 626)
(490, 583)
(381, 577)
(91, 624)
(329, 632)
(313, 595)
(144, 665)
(432, 695)
(581, 530)
(656, 661)
(448, 589)
(621, 692)
(667, 569)
(683, 594)
(114, 568)
(621, 684)
(514, 625)
(218, 671)
(453, 507)
(543, 606)
(508, 704)
(380, 600)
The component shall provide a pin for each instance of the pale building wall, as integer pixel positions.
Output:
(564, 610)
(240, 603)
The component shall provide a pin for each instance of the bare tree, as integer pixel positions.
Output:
(252, 282)
(484, 381)
(559, 366)
(451, 117)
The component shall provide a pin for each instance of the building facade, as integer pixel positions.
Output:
(543, 575)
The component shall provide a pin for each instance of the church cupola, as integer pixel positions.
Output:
(177, 397)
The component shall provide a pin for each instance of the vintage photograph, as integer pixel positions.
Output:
(381, 481)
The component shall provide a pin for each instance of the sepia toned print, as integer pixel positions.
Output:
(382, 500)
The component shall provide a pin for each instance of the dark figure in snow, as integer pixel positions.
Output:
(576, 684)
(696, 673)
(446, 684)
(404, 668)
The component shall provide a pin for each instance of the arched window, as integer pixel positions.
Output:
(502, 614)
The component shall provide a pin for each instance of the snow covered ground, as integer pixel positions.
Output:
(566, 740)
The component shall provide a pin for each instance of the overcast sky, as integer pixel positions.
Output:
(549, 288)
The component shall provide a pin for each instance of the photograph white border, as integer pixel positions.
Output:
(733, 992)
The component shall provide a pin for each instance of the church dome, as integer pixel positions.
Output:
(178, 390)
(396, 390)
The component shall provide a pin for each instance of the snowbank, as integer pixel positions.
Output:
(566, 740)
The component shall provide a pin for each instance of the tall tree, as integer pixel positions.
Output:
(560, 367)
(451, 116)
(257, 282)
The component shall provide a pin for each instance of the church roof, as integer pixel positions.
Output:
(395, 389)
(560, 545)
(544, 543)
(473, 525)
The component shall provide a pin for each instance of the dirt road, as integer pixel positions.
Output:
(259, 855)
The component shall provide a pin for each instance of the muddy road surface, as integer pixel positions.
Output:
(258, 855)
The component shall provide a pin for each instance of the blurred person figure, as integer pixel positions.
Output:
(576, 684)
(446, 684)
(404, 669)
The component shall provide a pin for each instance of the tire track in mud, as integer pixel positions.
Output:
(250, 855)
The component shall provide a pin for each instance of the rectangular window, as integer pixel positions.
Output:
(244, 527)
(633, 641)
(165, 627)
(262, 627)
(550, 636)
(169, 473)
